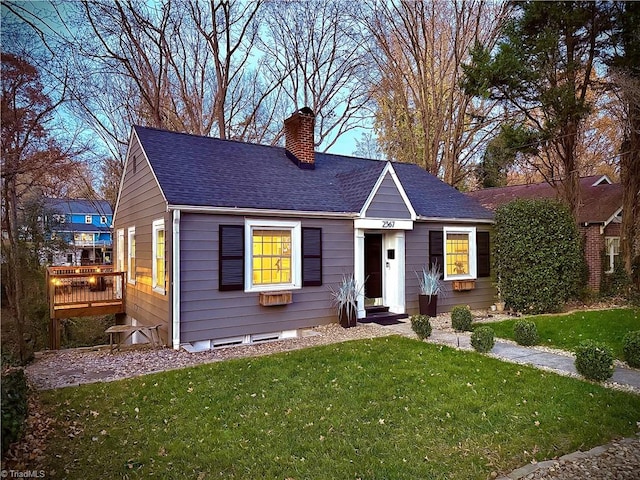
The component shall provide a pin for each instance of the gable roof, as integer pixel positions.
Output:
(77, 205)
(201, 171)
(600, 200)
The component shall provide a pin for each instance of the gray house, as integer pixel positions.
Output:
(228, 242)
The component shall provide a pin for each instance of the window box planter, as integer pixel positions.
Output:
(270, 299)
(463, 285)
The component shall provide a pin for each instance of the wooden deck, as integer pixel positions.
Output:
(82, 292)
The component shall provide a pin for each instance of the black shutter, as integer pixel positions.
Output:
(311, 257)
(231, 258)
(483, 254)
(436, 249)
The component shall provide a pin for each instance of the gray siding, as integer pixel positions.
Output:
(140, 203)
(417, 257)
(207, 313)
(387, 202)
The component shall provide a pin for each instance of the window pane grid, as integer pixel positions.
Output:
(271, 259)
(159, 280)
(457, 254)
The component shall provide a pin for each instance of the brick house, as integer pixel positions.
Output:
(599, 217)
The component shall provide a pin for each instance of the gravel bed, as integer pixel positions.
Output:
(65, 368)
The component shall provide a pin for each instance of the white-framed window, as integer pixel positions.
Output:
(131, 255)
(103, 220)
(460, 253)
(88, 219)
(273, 255)
(158, 252)
(120, 250)
(612, 249)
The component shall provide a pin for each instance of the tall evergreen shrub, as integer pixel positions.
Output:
(538, 255)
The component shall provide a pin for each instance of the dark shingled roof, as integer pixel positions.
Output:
(205, 171)
(598, 203)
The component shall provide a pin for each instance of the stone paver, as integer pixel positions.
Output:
(519, 354)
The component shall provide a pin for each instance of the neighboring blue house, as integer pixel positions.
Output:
(85, 228)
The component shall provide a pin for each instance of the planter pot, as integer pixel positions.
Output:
(500, 306)
(428, 305)
(348, 318)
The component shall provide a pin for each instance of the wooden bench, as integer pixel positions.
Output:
(123, 332)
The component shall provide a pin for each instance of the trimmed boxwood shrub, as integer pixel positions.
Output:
(594, 360)
(14, 406)
(482, 339)
(538, 255)
(631, 348)
(421, 325)
(461, 318)
(525, 332)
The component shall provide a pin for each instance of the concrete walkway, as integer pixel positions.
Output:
(519, 354)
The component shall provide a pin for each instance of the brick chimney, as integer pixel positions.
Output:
(299, 140)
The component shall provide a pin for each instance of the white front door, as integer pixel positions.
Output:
(393, 265)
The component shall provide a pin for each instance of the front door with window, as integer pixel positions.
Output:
(373, 265)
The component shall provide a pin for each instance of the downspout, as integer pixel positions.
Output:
(176, 281)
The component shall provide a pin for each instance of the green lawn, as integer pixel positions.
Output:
(383, 408)
(567, 331)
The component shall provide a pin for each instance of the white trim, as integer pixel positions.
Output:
(157, 225)
(175, 277)
(134, 136)
(120, 249)
(296, 254)
(609, 253)
(393, 276)
(456, 220)
(382, 224)
(613, 217)
(131, 233)
(262, 212)
(604, 178)
(388, 168)
(473, 267)
(358, 267)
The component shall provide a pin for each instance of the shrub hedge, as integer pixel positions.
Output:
(631, 348)
(421, 325)
(482, 339)
(461, 318)
(594, 361)
(525, 332)
(538, 255)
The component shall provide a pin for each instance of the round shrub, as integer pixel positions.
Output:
(594, 360)
(538, 255)
(631, 348)
(482, 339)
(461, 318)
(421, 325)
(525, 332)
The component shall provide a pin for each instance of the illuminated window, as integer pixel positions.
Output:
(460, 253)
(158, 256)
(131, 255)
(88, 219)
(275, 255)
(612, 248)
(271, 257)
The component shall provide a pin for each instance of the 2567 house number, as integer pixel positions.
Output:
(388, 224)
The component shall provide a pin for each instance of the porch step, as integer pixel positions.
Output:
(382, 316)
(374, 309)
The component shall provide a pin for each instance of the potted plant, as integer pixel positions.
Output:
(430, 287)
(345, 299)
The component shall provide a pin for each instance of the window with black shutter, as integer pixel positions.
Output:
(231, 257)
(436, 249)
(483, 254)
(311, 257)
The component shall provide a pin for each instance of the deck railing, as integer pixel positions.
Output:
(83, 291)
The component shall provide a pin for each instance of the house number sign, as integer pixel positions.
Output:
(388, 224)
